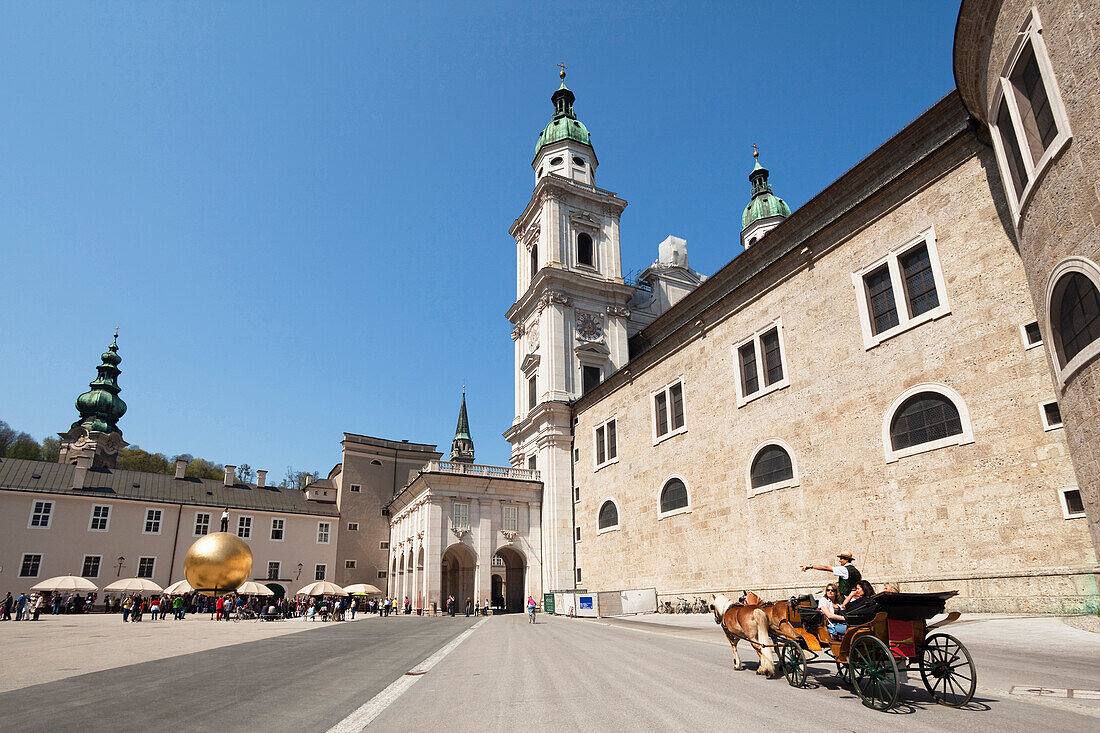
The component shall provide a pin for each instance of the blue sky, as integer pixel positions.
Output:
(297, 213)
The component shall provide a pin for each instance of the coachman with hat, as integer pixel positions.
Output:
(848, 576)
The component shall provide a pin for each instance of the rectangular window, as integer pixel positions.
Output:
(510, 519)
(607, 449)
(576, 455)
(319, 571)
(30, 565)
(532, 392)
(91, 566)
(1031, 334)
(1072, 505)
(146, 566)
(323, 532)
(532, 463)
(273, 569)
(41, 513)
(381, 574)
(578, 533)
(353, 526)
(152, 521)
(1034, 106)
(383, 545)
(349, 564)
(668, 412)
(902, 290)
(773, 359)
(278, 527)
(356, 488)
(202, 524)
(1051, 415)
(101, 518)
(590, 378)
(244, 527)
(747, 357)
(461, 515)
(578, 575)
(1014, 159)
(576, 493)
(762, 363)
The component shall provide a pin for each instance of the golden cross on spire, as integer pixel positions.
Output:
(755, 152)
(563, 67)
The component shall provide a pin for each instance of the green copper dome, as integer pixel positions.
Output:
(100, 407)
(764, 203)
(564, 124)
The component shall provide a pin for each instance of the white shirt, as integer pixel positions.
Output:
(841, 571)
(826, 605)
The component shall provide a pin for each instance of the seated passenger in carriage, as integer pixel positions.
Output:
(859, 602)
(834, 622)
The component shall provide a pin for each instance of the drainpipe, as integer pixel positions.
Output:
(175, 543)
(573, 494)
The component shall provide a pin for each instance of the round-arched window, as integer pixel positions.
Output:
(673, 496)
(609, 515)
(923, 418)
(771, 465)
(584, 249)
(1075, 315)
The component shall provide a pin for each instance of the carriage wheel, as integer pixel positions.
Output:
(947, 670)
(793, 661)
(874, 673)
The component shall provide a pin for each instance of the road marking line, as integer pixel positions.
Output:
(362, 716)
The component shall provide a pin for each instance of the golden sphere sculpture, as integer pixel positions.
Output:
(218, 563)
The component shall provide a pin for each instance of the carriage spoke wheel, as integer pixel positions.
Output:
(947, 670)
(874, 673)
(793, 661)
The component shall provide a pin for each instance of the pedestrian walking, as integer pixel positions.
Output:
(531, 606)
(21, 607)
(469, 606)
(8, 603)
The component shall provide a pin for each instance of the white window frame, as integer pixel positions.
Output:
(504, 511)
(618, 517)
(356, 488)
(454, 514)
(667, 390)
(742, 398)
(106, 519)
(964, 438)
(1089, 269)
(786, 484)
(48, 507)
(349, 564)
(323, 567)
(282, 530)
(660, 490)
(23, 561)
(324, 529)
(1023, 336)
(195, 526)
(1031, 32)
(1047, 425)
(596, 443)
(278, 569)
(1065, 505)
(353, 526)
(152, 572)
(145, 521)
(98, 567)
(897, 283)
(251, 523)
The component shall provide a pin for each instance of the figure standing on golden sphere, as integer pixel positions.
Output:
(218, 563)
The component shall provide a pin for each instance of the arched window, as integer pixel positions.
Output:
(674, 496)
(584, 249)
(772, 465)
(534, 260)
(924, 418)
(609, 515)
(1075, 316)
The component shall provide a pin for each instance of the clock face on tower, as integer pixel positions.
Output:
(589, 327)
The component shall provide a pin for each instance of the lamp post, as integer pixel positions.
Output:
(299, 575)
(120, 560)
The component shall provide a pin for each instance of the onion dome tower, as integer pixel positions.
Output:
(765, 210)
(564, 147)
(462, 447)
(95, 440)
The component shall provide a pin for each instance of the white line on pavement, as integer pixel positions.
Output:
(362, 716)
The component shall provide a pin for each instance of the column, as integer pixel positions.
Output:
(483, 578)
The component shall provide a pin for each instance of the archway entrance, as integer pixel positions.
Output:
(277, 589)
(512, 575)
(497, 595)
(457, 575)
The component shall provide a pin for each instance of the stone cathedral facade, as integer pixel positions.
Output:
(881, 371)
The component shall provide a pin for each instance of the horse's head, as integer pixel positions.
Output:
(719, 604)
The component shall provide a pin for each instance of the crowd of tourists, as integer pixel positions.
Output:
(32, 607)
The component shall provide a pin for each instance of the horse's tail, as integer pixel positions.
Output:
(764, 640)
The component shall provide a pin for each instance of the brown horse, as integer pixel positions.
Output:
(746, 621)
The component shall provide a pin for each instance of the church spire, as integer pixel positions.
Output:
(95, 439)
(765, 210)
(462, 447)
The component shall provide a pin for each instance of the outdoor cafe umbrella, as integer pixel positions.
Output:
(363, 589)
(322, 588)
(133, 585)
(252, 588)
(178, 588)
(65, 584)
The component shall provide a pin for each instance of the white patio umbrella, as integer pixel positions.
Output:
(252, 588)
(363, 589)
(178, 588)
(66, 583)
(133, 585)
(322, 588)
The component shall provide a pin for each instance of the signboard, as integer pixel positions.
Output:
(586, 604)
(548, 602)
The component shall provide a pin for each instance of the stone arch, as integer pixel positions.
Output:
(457, 569)
(513, 575)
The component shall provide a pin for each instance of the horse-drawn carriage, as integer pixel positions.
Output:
(888, 638)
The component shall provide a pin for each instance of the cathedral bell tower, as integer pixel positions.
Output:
(569, 319)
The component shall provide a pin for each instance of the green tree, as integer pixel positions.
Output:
(136, 459)
(26, 447)
(51, 449)
(7, 437)
(245, 474)
(202, 468)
